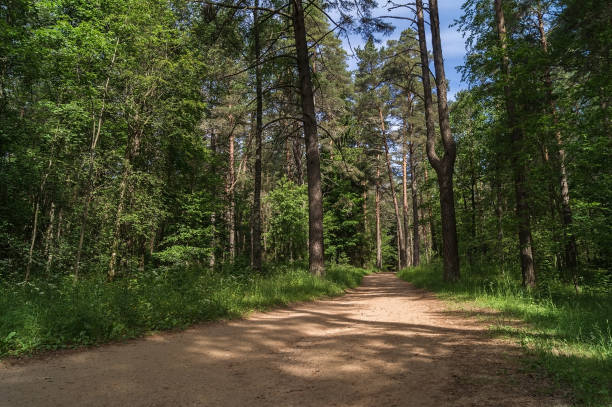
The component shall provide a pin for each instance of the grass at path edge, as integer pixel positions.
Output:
(45, 316)
(569, 334)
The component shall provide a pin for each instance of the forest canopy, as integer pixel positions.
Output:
(148, 133)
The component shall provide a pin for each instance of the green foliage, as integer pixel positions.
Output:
(44, 315)
(98, 94)
(342, 222)
(115, 122)
(556, 51)
(287, 229)
(188, 241)
(568, 332)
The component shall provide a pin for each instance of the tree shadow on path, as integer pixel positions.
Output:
(383, 344)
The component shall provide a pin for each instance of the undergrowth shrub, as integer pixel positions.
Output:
(62, 313)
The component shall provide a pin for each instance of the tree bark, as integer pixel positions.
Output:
(365, 255)
(407, 247)
(444, 167)
(566, 209)
(55, 248)
(416, 243)
(520, 171)
(112, 271)
(231, 208)
(297, 159)
(365, 207)
(131, 152)
(256, 222)
(49, 238)
(499, 208)
(472, 248)
(313, 166)
(445, 177)
(39, 198)
(401, 260)
(33, 239)
(425, 230)
(77, 263)
(377, 210)
(288, 153)
(213, 238)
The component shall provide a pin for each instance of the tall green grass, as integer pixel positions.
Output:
(47, 315)
(569, 333)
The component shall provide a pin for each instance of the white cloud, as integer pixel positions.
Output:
(453, 44)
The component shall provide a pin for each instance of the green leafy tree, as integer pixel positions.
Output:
(287, 231)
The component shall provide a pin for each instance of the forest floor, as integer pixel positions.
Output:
(384, 343)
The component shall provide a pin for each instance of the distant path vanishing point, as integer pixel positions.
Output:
(383, 344)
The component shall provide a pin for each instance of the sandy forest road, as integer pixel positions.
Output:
(383, 344)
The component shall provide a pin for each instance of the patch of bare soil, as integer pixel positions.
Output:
(383, 344)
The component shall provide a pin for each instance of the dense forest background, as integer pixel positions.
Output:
(165, 162)
(130, 139)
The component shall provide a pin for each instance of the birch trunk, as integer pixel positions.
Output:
(49, 238)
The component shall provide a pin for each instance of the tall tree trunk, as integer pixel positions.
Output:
(430, 226)
(566, 209)
(39, 198)
(213, 238)
(377, 210)
(401, 260)
(58, 235)
(365, 207)
(256, 236)
(33, 239)
(229, 190)
(152, 243)
(499, 208)
(444, 167)
(407, 248)
(473, 204)
(288, 172)
(416, 243)
(313, 166)
(552, 196)
(84, 216)
(366, 253)
(297, 159)
(49, 238)
(131, 152)
(112, 271)
(425, 229)
(520, 171)
(141, 254)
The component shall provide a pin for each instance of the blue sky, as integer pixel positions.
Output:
(453, 44)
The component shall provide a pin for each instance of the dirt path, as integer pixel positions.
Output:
(383, 344)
